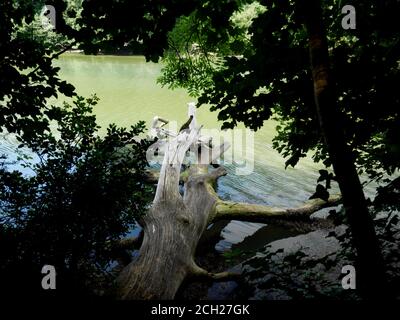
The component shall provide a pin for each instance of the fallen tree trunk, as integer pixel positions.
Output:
(174, 224)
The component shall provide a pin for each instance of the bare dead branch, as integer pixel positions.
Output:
(261, 213)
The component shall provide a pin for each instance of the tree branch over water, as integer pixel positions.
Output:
(228, 210)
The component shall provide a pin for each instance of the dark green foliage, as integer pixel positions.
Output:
(388, 197)
(86, 192)
(271, 78)
(27, 77)
(297, 276)
(126, 24)
(280, 63)
(196, 50)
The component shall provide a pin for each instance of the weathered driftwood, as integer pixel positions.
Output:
(174, 224)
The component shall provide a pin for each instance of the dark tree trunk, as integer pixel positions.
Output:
(370, 274)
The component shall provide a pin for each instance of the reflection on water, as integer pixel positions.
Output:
(128, 92)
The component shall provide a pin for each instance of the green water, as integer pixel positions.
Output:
(128, 92)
